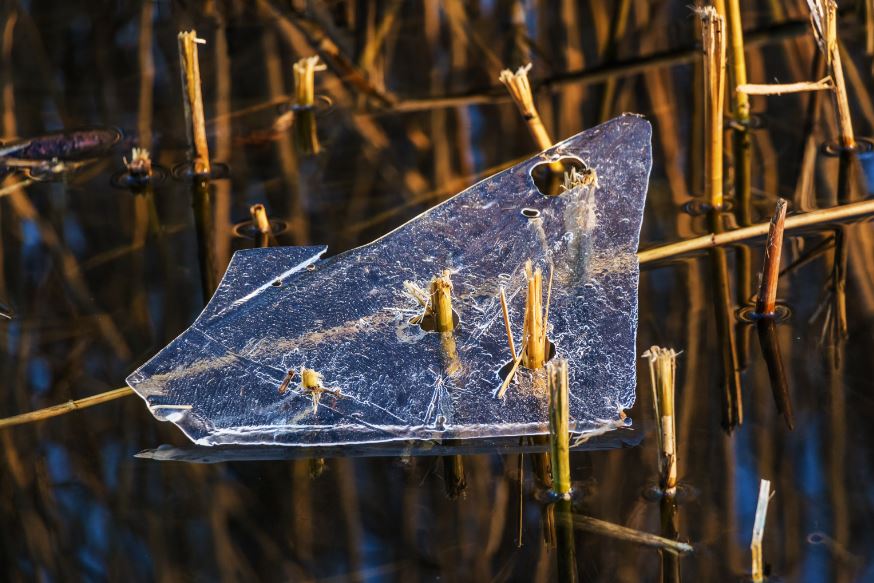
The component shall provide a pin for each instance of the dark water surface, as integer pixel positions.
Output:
(99, 279)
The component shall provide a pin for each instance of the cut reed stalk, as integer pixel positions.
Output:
(662, 373)
(714, 240)
(823, 21)
(534, 351)
(193, 101)
(713, 36)
(305, 80)
(557, 375)
(441, 302)
(759, 530)
(262, 224)
(766, 302)
(63, 408)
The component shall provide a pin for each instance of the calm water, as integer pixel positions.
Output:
(100, 279)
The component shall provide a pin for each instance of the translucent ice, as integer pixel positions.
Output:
(226, 379)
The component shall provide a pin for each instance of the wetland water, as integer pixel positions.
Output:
(100, 279)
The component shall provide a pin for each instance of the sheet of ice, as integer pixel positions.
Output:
(348, 318)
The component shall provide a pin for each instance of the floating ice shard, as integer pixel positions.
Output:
(226, 379)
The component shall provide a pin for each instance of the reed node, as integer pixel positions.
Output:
(759, 530)
(823, 21)
(713, 36)
(195, 125)
(766, 302)
(559, 430)
(662, 373)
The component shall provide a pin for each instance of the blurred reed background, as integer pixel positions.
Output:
(100, 279)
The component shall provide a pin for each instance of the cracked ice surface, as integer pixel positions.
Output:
(348, 318)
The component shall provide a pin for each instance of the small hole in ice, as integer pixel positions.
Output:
(530, 213)
(311, 267)
(277, 283)
(549, 176)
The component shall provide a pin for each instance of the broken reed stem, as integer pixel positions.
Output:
(559, 449)
(441, 302)
(63, 408)
(798, 221)
(506, 312)
(259, 218)
(616, 531)
(534, 348)
(662, 373)
(759, 529)
(766, 301)
(713, 27)
(304, 80)
(193, 101)
(823, 21)
(519, 87)
(823, 84)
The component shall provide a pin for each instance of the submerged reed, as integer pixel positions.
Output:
(662, 372)
(557, 375)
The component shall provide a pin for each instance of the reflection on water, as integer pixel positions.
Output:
(99, 279)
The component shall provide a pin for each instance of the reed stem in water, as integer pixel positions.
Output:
(304, 80)
(441, 302)
(662, 373)
(557, 375)
(759, 530)
(823, 21)
(766, 302)
(713, 31)
(193, 101)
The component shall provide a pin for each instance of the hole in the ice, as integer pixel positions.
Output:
(530, 213)
(428, 322)
(505, 370)
(277, 283)
(549, 176)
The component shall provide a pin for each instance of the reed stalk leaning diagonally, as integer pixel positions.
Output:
(824, 20)
(713, 37)
(662, 371)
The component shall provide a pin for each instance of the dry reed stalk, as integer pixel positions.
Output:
(534, 350)
(784, 88)
(823, 21)
(662, 373)
(193, 101)
(441, 303)
(869, 27)
(259, 218)
(559, 449)
(305, 80)
(766, 302)
(64, 408)
(713, 240)
(519, 88)
(759, 530)
(262, 224)
(713, 36)
(629, 534)
(506, 313)
(741, 104)
(140, 164)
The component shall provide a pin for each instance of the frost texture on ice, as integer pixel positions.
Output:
(348, 318)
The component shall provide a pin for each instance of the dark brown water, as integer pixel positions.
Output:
(100, 279)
